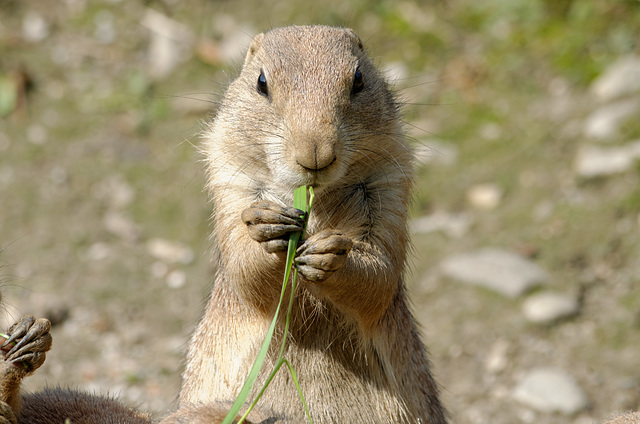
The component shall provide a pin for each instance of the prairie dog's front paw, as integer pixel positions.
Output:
(322, 254)
(28, 342)
(270, 224)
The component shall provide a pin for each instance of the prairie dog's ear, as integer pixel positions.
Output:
(354, 37)
(253, 48)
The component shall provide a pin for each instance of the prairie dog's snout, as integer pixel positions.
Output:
(314, 144)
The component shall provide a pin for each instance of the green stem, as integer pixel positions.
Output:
(295, 380)
(300, 202)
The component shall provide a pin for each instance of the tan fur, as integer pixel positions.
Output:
(10, 379)
(629, 418)
(214, 413)
(353, 340)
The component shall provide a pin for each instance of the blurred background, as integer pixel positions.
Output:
(525, 115)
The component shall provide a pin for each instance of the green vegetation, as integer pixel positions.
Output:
(504, 83)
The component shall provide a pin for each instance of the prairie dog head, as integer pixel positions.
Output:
(310, 106)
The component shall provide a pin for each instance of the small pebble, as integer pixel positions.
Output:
(122, 226)
(484, 196)
(551, 390)
(454, 225)
(34, 27)
(619, 79)
(170, 251)
(176, 279)
(547, 307)
(501, 271)
(604, 122)
(595, 161)
(497, 358)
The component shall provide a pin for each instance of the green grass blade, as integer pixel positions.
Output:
(294, 376)
(264, 387)
(299, 202)
(255, 369)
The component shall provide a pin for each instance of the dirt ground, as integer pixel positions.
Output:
(104, 222)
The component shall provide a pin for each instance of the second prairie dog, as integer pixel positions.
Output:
(310, 108)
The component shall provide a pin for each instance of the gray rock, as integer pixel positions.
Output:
(118, 224)
(619, 79)
(548, 307)
(170, 251)
(34, 27)
(595, 161)
(504, 272)
(453, 225)
(604, 122)
(550, 390)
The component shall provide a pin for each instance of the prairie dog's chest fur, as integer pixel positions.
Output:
(309, 108)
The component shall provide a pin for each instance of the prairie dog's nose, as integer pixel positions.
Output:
(316, 156)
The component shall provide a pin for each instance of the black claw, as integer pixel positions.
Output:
(21, 358)
(15, 349)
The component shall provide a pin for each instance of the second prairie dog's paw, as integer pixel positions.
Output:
(270, 224)
(322, 254)
(29, 341)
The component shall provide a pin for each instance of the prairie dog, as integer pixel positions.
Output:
(25, 351)
(310, 108)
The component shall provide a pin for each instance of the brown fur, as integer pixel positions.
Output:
(56, 405)
(353, 340)
(32, 341)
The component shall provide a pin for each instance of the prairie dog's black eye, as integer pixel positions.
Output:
(358, 82)
(262, 85)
